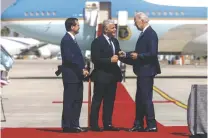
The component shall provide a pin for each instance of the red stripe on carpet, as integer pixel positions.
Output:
(123, 116)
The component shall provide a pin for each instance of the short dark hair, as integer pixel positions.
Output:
(69, 23)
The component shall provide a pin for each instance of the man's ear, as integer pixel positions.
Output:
(106, 29)
(72, 27)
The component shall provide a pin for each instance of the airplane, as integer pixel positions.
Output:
(5, 66)
(44, 20)
(20, 46)
(201, 42)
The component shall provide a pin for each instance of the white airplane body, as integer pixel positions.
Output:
(44, 20)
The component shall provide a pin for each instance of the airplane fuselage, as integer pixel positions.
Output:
(45, 20)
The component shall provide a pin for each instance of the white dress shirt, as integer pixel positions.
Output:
(145, 28)
(73, 37)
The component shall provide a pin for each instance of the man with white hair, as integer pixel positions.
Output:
(106, 74)
(145, 66)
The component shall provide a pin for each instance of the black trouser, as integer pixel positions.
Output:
(72, 104)
(107, 93)
(144, 104)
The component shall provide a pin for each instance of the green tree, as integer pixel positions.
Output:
(5, 31)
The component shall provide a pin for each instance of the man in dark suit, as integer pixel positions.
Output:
(106, 74)
(145, 66)
(73, 72)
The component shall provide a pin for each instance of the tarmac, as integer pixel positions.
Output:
(28, 99)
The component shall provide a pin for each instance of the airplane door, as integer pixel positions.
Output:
(96, 12)
(104, 12)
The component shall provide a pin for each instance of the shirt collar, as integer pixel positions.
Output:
(73, 37)
(107, 38)
(145, 28)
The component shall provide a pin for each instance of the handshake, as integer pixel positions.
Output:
(133, 55)
(122, 54)
(114, 58)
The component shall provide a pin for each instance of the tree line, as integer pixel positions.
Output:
(5, 31)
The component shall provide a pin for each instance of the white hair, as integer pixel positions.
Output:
(142, 16)
(106, 23)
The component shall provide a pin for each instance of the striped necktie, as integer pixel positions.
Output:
(113, 48)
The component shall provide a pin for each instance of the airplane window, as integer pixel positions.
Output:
(153, 13)
(37, 13)
(176, 13)
(31, 14)
(182, 13)
(43, 13)
(26, 13)
(54, 13)
(165, 13)
(158, 13)
(48, 13)
(170, 13)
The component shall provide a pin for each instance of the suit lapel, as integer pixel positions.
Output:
(148, 28)
(106, 43)
(115, 44)
(104, 40)
(70, 38)
(140, 38)
(75, 44)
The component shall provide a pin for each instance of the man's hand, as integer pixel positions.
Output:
(122, 54)
(85, 73)
(114, 58)
(134, 55)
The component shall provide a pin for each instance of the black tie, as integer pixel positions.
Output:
(111, 45)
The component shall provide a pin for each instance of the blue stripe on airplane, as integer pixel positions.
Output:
(74, 8)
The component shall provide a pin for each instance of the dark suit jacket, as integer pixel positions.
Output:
(147, 63)
(101, 52)
(72, 60)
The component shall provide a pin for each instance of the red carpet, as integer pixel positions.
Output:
(123, 117)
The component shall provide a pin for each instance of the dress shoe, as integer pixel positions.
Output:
(111, 128)
(71, 130)
(81, 129)
(153, 129)
(97, 129)
(66, 129)
(74, 130)
(136, 129)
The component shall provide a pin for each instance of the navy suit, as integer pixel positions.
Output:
(72, 76)
(146, 66)
(105, 76)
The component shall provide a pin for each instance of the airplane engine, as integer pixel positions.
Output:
(44, 52)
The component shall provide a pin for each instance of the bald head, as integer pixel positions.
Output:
(141, 20)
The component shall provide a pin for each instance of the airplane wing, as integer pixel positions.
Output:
(32, 48)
